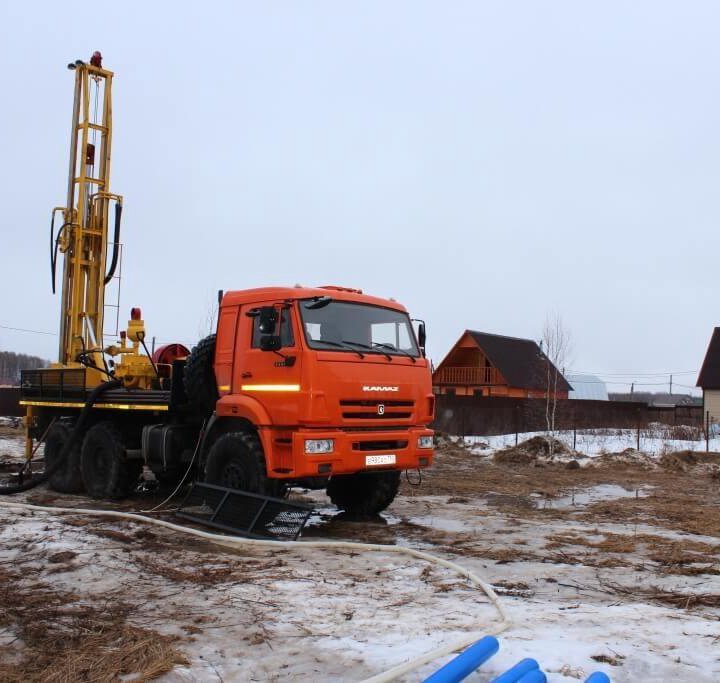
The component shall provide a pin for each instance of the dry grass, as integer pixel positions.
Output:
(60, 639)
(684, 488)
(686, 557)
(662, 596)
(172, 567)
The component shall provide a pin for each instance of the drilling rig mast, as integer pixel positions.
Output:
(83, 237)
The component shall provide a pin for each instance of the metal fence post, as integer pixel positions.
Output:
(707, 431)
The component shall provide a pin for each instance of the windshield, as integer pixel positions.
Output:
(352, 327)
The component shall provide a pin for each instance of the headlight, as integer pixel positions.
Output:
(425, 442)
(314, 446)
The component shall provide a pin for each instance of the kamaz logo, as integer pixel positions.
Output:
(367, 387)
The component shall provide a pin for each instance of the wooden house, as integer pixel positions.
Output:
(709, 378)
(482, 364)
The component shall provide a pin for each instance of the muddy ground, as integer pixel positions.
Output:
(610, 564)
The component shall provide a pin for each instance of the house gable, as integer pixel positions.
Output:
(467, 353)
(709, 377)
(517, 364)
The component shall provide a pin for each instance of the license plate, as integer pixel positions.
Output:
(379, 460)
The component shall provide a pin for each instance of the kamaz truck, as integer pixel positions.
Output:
(324, 386)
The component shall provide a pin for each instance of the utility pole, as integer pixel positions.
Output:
(632, 388)
(670, 385)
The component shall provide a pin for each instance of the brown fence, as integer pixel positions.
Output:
(484, 416)
(9, 397)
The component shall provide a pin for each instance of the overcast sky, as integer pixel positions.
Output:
(484, 163)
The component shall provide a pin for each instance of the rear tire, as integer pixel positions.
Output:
(106, 471)
(200, 382)
(364, 494)
(67, 478)
(236, 461)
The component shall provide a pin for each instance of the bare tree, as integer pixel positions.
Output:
(208, 321)
(11, 364)
(556, 342)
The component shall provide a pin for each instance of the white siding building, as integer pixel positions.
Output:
(709, 379)
(587, 387)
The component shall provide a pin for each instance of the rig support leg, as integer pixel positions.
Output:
(29, 423)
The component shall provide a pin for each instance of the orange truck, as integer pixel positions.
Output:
(323, 386)
(318, 385)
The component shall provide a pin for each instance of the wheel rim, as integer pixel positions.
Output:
(101, 464)
(233, 477)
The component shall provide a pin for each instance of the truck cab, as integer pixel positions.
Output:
(328, 381)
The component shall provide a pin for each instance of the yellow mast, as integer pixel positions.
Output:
(83, 237)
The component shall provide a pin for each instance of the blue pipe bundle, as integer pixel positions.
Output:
(525, 671)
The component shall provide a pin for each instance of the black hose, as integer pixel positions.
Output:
(77, 430)
(54, 246)
(52, 249)
(116, 243)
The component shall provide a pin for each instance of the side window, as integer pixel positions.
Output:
(391, 333)
(313, 331)
(286, 332)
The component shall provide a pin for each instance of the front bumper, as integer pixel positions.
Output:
(358, 451)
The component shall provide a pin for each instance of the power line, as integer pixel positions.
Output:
(55, 334)
(22, 329)
(638, 374)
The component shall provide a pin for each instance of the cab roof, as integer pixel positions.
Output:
(264, 294)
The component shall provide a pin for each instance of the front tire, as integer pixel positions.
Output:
(106, 471)
(364, 494)
(236, 461)
(67, 478)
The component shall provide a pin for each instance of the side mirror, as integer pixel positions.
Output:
(270, 342)
(422, 337)
(268, 319)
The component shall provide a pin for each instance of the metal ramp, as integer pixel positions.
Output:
(244, 513)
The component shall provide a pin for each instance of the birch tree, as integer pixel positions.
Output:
(556, 341)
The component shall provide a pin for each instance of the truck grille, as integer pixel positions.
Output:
(376, 409)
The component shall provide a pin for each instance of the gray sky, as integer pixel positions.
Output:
(483, 163)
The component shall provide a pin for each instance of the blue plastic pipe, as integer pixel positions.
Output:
(598, 677)
(534, 676)
(518, 671)
(466, 662)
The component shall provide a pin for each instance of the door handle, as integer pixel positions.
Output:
(245, 375)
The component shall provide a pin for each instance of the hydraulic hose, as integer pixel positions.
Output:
(116, 243)
(54, 246)
(234, 542)
(74, 435)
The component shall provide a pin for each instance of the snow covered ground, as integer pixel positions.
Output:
(654, 440)
(593, 565)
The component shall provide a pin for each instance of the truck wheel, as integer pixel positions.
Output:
(200, 383)
(106, 471)
(364, 494)
(67, 478)
(236, 461)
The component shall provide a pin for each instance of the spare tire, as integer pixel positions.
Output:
(200, 382)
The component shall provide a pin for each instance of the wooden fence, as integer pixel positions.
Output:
(485, 416)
